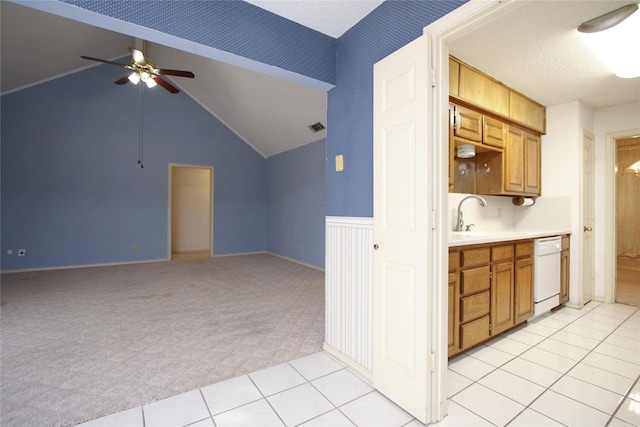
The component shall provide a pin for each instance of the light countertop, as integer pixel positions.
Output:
(463, 238)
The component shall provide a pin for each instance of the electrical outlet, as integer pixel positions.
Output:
(9, 251)
(301, 248)
(22, 252)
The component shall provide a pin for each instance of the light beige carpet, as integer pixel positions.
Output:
(83, 343)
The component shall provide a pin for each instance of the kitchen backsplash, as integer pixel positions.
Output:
(548, 213)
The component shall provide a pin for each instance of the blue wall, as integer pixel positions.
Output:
(390, 26)
(72, 192)
(231, 26)
(296, 207)
(350, 104)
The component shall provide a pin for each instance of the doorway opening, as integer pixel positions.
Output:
(627, 172)
(190, 234)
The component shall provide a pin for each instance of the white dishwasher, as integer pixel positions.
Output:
(546, 282)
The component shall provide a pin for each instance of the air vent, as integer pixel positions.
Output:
(316, 127)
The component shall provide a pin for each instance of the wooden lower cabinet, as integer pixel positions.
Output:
(501, 297)
(564, 270)
(474, 332)
(490, 291)
(523, 289)
(454, 303)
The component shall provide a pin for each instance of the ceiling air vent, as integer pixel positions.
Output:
(316, 127)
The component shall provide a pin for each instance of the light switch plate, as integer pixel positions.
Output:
(339, 163)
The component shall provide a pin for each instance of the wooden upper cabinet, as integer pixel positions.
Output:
(480, 90)
(520, 166)
(454, 77)
(527, 112)
(532, 165)
(494, 132)
(468, 124)
(513, 161)
(483, 91)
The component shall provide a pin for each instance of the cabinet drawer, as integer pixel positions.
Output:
(499, 253)
(454, 260)
(474, 332)
(474, 306)
(475, 280)
(471, 257)
(524, 248)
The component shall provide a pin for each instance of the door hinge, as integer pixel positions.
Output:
(433, 77)
(433, 362)
(433, 220)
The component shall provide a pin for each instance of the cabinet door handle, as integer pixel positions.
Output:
(588, 228)
(375, 246)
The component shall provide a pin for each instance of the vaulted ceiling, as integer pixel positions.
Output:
(534, 49)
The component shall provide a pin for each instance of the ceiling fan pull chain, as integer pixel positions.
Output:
(141, 129)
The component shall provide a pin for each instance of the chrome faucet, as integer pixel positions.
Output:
(460, 224)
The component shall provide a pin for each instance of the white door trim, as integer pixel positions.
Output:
(457, 23)
(587, 219)
(610, 210)
(170, 177)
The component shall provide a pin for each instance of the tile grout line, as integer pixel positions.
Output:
(207, 406)
(612, 415)
(322, 394)
(625, 397)
(267, 400)
(562, 374)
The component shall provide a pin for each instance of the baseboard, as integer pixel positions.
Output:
(315, 267)
(362, 372)
(239, 254)
(111, 264)
(67, 267)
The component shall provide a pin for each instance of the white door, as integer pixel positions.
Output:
(402, 231)
(588, 242)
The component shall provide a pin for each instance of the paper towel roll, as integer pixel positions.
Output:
(523, 201)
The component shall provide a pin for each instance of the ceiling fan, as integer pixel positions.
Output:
(145, 70)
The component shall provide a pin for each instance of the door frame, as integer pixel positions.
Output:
(610, 211)
(452, 26)
(169, 201)
(587, 259)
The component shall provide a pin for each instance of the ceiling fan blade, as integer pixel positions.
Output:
(105, 61)
(138, 56)
(123, 80)
(178, 73)
(165, 84)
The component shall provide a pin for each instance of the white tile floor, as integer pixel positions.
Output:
(572, 367)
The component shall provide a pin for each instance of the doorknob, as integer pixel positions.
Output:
(588, 229)
(375, 246)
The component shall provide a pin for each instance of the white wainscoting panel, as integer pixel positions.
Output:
(349, 287)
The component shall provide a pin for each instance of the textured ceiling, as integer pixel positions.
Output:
(537, 50)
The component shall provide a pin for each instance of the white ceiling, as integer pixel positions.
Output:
(533, 49)
(537, 50)
(331, 17)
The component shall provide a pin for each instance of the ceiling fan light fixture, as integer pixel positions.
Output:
(150, 82)
(613, 39)
(134, 78)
